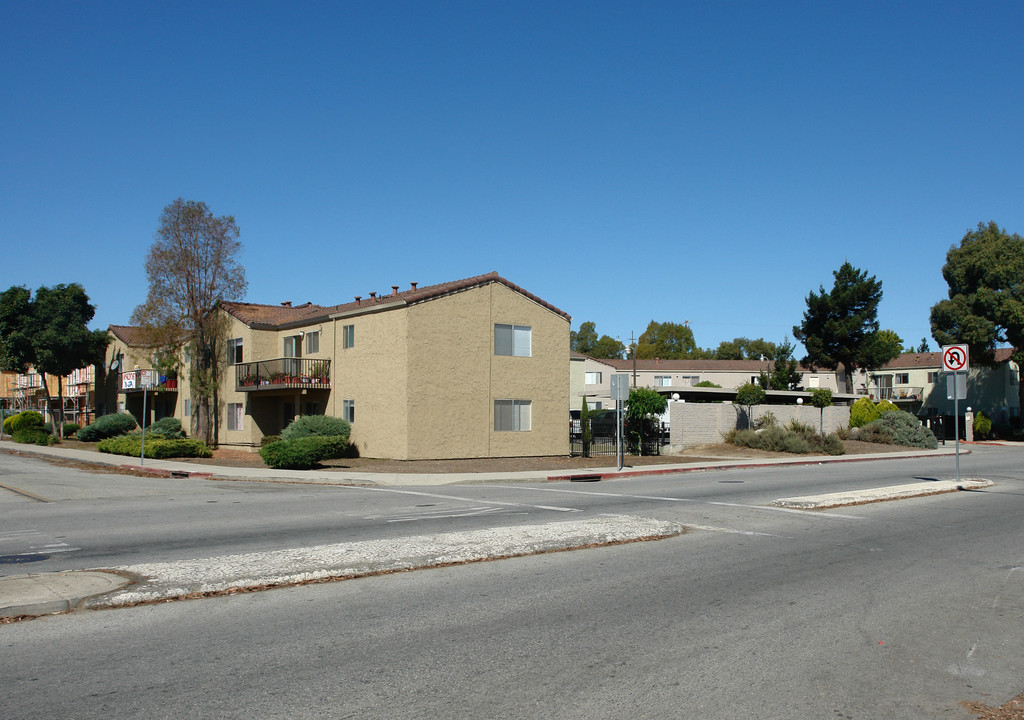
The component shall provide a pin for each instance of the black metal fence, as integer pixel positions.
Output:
(602, 438)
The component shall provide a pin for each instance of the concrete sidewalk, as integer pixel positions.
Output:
(351, 477)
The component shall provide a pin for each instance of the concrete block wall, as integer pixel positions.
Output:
(694, 424)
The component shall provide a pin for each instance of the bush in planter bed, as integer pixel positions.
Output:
(320, 425)
(902, 427)
(304, 452)
(168, 428)
(71, 429)
(34, 436)
(23, 421)
(107, 426)
(156, 448)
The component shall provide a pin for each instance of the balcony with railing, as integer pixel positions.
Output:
(283, 374)
(144, 380)
(896, 394)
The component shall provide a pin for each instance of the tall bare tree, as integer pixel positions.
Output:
(192, 266)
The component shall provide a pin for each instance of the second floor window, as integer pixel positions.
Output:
(593, 378)
(348, 336)
(313, 342)
(662, 381)
(234, 351)
(902, 378)
(515, 340)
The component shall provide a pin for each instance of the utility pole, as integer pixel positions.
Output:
(632, 344)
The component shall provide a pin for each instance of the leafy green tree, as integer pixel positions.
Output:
(667, 340)
(586, 342)
(607, 348)
(50, 333)
(750, 394)
(840, 327)
(742, 348)
(193, 266)
(642, 407)
(985, 307)
(821, 398)
(584, 339)
(784, 374)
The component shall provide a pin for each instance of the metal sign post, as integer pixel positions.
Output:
(955, 361)
(620, 394)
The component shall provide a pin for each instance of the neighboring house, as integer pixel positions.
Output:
(130, 381)
(24, 391)
(679, 378)
(915, 382)
(472, 368)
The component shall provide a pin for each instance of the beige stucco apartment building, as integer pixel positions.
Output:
(471, 368)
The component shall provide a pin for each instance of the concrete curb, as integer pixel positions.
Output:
(894, 492)
(47, 593)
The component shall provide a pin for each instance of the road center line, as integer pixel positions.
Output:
(804, 513)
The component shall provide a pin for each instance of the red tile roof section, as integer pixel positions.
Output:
(274, 316)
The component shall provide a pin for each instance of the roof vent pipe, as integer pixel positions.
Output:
(413, 285)
(394, 289)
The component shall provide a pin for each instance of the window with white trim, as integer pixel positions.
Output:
(512, 415)
(662, 381)
(234, 352)
(902, 378)
(933, 376)
(348, 410)
(313, 342)
(236, 414)
(593, 378)
(514, 340)
(348, 336)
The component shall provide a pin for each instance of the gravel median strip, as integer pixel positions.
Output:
(894, 492)
(231, 573)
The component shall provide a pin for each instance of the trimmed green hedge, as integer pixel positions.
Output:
(23, 421)
(156, 448)
(168, 428)
(304, 452)
(320, 425)
(34, 436)
(107, 426)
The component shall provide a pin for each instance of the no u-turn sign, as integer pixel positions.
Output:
(954, 359)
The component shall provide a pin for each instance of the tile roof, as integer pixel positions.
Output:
(278, 316)
(131, 335)
(934, 360)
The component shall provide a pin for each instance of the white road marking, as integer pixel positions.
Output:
(420, 493)
(681, 500)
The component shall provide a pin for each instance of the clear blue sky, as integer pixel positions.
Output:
(709, 162)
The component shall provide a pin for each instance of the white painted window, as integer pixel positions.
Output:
(593, 378)
(902, 378)
(348, 336)
(512, 415)
(236, 414)
(515, 340)
(234, 351)
(813, 381)
(933, 376)
(348, 410)
(662, 381)
(313, 342)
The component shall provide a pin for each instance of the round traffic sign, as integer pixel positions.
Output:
(954, 358)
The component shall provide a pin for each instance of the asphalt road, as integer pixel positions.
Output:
(892, 610)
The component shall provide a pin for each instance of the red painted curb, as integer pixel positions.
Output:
(732, 466)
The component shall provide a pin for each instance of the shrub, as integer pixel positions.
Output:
(304, 452)
(982, 426)
(107, 426)
(156, 448)
(884, 406)
(796, 426)
(267, 439)
(707, 383)
(34, 436)
(321, 425)
(863, 412)
(766, 420)
(903, 429)
(24, 420)
(801, 440)
(71, 429)
(168, 428)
